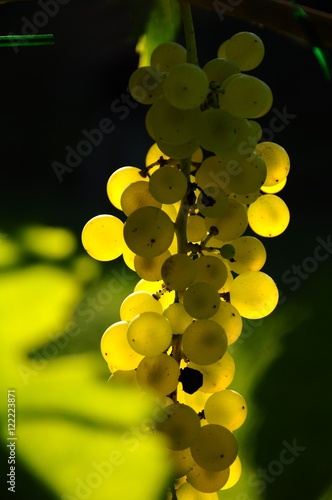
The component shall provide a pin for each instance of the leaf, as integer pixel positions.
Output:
(161, 27)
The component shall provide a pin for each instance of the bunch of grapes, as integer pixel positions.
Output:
(206, 181)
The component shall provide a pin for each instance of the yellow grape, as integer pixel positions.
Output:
(178, 317)
(137, 195)
(277, 162)
(217, 376)
(168, 185)
(182, 462)
(268, 216)
(227, 408)
(234, 474)
(246, 50)
(115, 348)
(250, 254)
(204, 342)
(178, 271)
(207, 481)
(231, 225)
(119, 180)
(229, 318)
(159, 373)
(201, 300)
(180, 424)
(196, 229)
(149, 333)
(211, 270)
(215, 449)
(138, 302)
(149, 268)
(102, 237)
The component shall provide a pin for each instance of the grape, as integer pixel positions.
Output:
(102, 237)
(219, 200)
(128, 258)
(251, 176)
(234, 474)
(204, 342)
(216, 130)
(227, 251)
(179, 151)
(245, 199)
(231, 225)
(182, 462)
(172, 125)
(180, 424)
(139, 302)
(149, 268)
(201, 300)
(215, 448)
(153, 155)
(149, 333)
(254, 294)
(146, 84)
(126, 377)
(115, 348)
(216, 376)
(227, 408)
(218, 69)
(165, 297)
(186, 86)
(187, 492)
(196, 400)
(250, 255)
(119, 180)
(276, 160)
(137, 195)
(244, 143)
(178, 271)
(246, 50)
(257, 129)
(246, 97)
(196, 229)
(160, 373)
(268, 216)
(210, 270)
(207, 481)
(222, 49)
(229, 318)
(167, 55)
(148, 231)
(178, 317)
(276, 188)
(168, 185)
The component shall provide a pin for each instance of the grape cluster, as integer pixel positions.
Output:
(206, 180)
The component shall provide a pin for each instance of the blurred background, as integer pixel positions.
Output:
(76, 438)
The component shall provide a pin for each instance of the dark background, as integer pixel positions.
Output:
(49, 95)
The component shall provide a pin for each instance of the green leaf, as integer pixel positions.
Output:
(162, 26)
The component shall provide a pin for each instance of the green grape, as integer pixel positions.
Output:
(250, 255)
(215, 448)
(139, 302)
(231, 225)
(159, 373)
(115, 348)
(217, 376)
(149, 268)
(246, 96)
(222, 49)
(201, 300)
(180, 424)
(187, 492)
(212, 204)
(227, 251)
(229, 318)
(166, 297)
(119, 180)
(179, 151)
(276, 160)
(102, 237)
(125, 377)
(146, 84)
(251, 176)
(182, 462)
(227, 408)
(207, 481)
(168, 185)
(137, 195)
(243, 145)
(148, 231)
(234, 474)
(211, 270)
(186, 86)
(254, 294)
(215, 130)
(196, 229)
(268, 216)
(276, 188)
(257, 129)
(149, 333)
(196, 400)
(218, 69)
(167, 55)
(178, 317)
(204, 342)
(178, 271)
(245, 199)
(170, 124)
(246, 50)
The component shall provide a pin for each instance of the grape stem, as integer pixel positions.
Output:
(173, 491)
(189, 31)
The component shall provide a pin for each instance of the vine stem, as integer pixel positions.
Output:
(189, 31)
